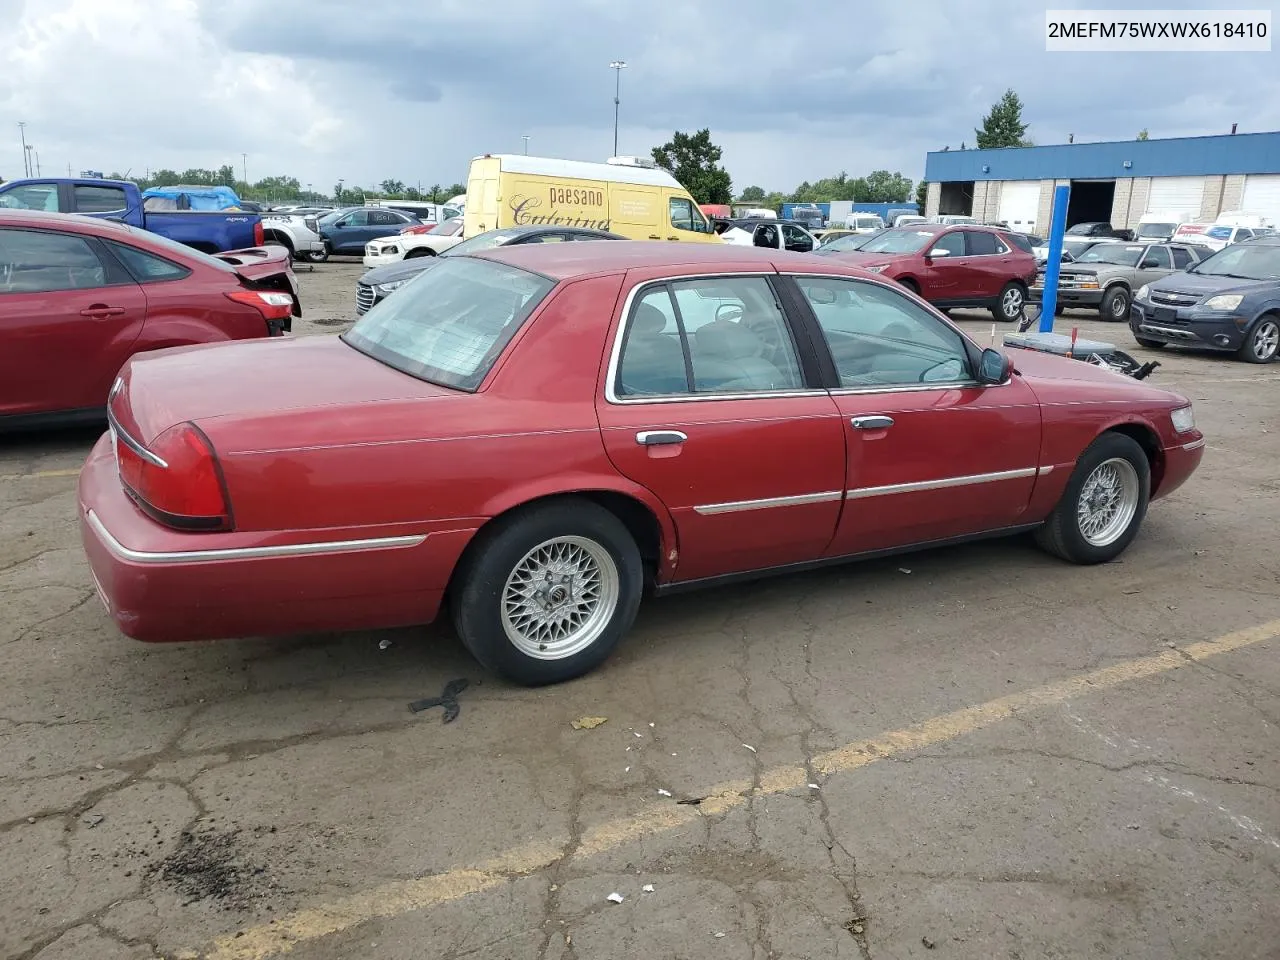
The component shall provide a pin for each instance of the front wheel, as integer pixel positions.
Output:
(1263, 342)
(1012, 300)
(548, 593)
(1115, 305)
(1103, 504)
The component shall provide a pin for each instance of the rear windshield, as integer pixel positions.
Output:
(449, 325)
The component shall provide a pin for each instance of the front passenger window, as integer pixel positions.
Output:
(878, 337)
(952, 243)
(685, 217)
(38, 261)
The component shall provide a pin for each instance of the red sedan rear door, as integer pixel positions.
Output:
(932, 454)
(708, 404)
(69, 316)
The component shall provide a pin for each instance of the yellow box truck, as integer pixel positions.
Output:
(626, 196)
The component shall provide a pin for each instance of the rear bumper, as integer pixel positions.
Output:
(164, 585)
(1189, 326)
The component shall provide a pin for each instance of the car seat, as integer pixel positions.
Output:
(652, 360)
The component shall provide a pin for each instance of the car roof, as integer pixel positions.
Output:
(570, 261)
(61, 221)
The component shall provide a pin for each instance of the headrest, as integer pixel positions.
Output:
(648, 320)
(727, 340)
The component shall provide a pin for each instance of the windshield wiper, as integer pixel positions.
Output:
(1234, 276)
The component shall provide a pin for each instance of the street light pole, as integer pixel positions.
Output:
(526, 145)
(617, 66)
(244, 161)
(26, 161)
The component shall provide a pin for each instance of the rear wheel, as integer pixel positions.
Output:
(1263, 342)
(1103, 504)
(548, 593)
(1008, 307)
(1115, 305)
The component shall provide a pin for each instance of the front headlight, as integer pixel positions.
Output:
(1184, 419)
(1227, 301)
(1142, 292)
(389, 286)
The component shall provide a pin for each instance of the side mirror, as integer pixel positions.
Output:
(1148, 265)
(340, 224)
(939, 252)
(993, 367)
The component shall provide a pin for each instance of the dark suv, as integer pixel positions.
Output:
(952, 266)
(1230, 301)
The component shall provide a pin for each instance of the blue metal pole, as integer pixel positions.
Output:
(1057, 227)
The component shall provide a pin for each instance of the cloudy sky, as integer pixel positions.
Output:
(412, 89)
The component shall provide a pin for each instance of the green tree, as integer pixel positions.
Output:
(692, 159)
(412, 193)
(1142, 134)
(163, 178)
(338, 194)
(395, 187)
(226, 176)
(922, 195)
(435, 195)
(885, 187)
(1003, 126)
(455, 189)
(752, 195)
(199, 175)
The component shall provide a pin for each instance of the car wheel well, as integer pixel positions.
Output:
(420, 252)
(911, 283)
(1147, 439)
(634, 515)
(281, 238)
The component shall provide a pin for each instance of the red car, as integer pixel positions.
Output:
(537, 434)
(79, 296)
(963, 266)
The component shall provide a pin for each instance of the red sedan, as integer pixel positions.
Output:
(79, 296)
(536, 434)
(965, 266)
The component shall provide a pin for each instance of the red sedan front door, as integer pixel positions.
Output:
(932, 454)
(68, 320)
(706, 405)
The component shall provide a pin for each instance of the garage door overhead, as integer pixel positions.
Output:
(1019, 204)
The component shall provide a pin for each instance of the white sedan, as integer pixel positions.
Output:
(409, 243)
(770, 233)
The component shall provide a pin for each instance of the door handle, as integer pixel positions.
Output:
(100, 311)
(654, 438)
(878, 422)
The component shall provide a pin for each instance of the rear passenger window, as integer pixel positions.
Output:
(1181, 258)
(38, 261)
(980, 244)
(91, 199)
(147, 267)
(711, 336)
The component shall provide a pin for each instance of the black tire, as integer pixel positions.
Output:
(1114, 307)
(910, 285)
(1262, 343)
(1009, 305)
(482, 581)
(318, 256)
(1061, 533)
(1059, 310)
(419, 252)
(1150, 344)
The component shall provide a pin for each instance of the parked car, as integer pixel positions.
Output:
(908, 220)
(1072, 247)
(953, 219)
(1105, 276)
(864, 222)
(346, 232)
(378, 283)
(411, 242)
(297, 233)
(827, 234)
(774, 234)
(465, 438)
(1091, 228)
(211, 230)
(431, 214)
(808, 215)
(968, 266)
(79, 296)
(1157, 227)
(1229, 301)
(845, 244)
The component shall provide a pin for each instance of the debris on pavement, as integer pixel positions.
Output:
(814, 786)
(928, 944)
(718, 935)
(384, 643)
(664, 793)
(92, 820)
(447, 699)
(647, 888)
(904, 570)
(751, 748)
(691, 801)
(587, 723)
(615, 897)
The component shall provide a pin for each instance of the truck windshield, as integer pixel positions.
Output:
(450, 324)
(1155, 231)
(1123, 255)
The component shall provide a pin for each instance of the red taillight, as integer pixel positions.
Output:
(177, 479)
(417, 228)
(258, 236)
(272, 305)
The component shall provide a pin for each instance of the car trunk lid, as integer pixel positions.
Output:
(265, 268)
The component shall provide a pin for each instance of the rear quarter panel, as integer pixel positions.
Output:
(217, 231)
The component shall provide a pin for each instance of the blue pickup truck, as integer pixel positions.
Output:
(212, 231)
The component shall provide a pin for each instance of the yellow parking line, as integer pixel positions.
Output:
(41, 474)
(405, 896)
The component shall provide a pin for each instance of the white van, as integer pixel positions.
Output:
(863, 222)
(1159, 226)
(909, 220)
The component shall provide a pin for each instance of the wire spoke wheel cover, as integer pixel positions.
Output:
(1108, 501)
(559, 598)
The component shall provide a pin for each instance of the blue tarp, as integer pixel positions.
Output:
(196, 198)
